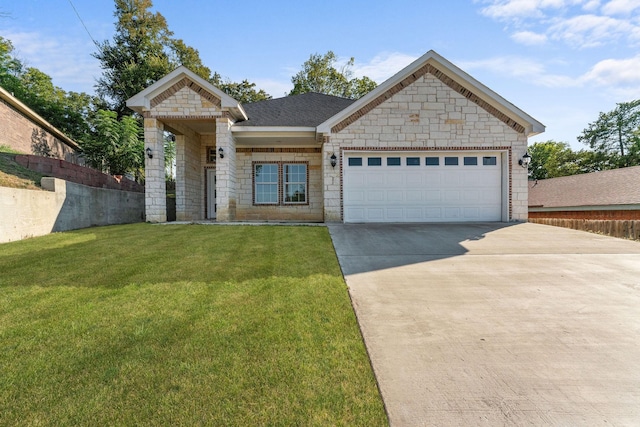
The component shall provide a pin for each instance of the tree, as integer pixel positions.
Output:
(116, 146)
(551, 159)
(143, 51)
(136, 58)
(68, 111)
(320, 75)
(616, 134)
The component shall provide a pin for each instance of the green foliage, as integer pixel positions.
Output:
(319, 75)
(143, 51)
(137, 57)
(68, 111)
(616, 134)
(243, 92)
(115, 146)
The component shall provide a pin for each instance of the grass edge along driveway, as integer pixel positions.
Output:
(181, 325)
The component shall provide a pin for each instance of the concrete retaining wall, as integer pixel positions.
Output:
(65, 206)
(623, 229)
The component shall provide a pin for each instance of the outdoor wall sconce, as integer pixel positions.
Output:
(221, 152)
(334, 160)
(149, 153)
(525, 160)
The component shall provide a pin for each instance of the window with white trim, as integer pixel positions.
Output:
(295, 183)
(266, 183)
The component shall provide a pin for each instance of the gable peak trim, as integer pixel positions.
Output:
(440, 75)
(182, 83)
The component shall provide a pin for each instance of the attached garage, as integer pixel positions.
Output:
(427, 186)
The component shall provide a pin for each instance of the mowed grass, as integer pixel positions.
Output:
(181, 325)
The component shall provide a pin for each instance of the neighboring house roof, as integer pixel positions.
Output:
(180, 77)
(36, 118)
(304, 110)
(605, 188)
(453, 77)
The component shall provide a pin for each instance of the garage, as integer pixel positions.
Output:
(423, 186)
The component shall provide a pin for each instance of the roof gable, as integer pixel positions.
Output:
(450, 75)
(610, 187)
(180, 78)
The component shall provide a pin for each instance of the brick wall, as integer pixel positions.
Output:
(620, 215)
(74, 173)
(22, 135)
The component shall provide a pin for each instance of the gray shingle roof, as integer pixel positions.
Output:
(306, 110)
(610, 187)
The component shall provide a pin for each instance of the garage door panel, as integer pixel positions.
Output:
(375, 196)
(383, 192)
(413, 196)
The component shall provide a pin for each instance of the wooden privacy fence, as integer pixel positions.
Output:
(625, 229)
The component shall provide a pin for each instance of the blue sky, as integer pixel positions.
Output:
(561, 61)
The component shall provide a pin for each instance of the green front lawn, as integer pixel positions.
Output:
(181, 325)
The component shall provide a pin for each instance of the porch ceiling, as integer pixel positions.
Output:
(201, 127)
(275, 137)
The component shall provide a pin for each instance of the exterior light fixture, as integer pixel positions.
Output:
(149, 153)
(221, 152)
(525, 160)
(334, 160)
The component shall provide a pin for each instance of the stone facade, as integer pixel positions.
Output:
(425, 110)
(429, 115)
(247, 210)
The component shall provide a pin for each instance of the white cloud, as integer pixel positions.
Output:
(524, 69)
(383, 66)
(620, 7)
(529, 38)
(68, 62)
(591, 30)
(517, 9)
(566, 21)
(622, 73)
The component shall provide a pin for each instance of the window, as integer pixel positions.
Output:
(470, 161)
(211, 154)
(355, 161)
(393, 161)
(489, 161)
(451, 161)
(280, 183)
(266, 183)
(413, 161)
(295, 183)
(432, 161)
(374, 161)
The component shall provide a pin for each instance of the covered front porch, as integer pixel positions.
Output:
(200, 117)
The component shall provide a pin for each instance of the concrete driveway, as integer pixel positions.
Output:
(497, 324)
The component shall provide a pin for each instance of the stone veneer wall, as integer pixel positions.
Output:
(428, 114)
(245, 209)
(27, 137)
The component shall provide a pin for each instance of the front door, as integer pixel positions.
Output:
(211, 194)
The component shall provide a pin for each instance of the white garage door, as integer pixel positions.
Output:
(422, 187)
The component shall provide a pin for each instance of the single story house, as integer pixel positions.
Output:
(605, 195)
(430, 144)
(25, 131)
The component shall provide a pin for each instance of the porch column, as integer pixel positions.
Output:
(331, 181)
(225, 171)
(155, 199)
